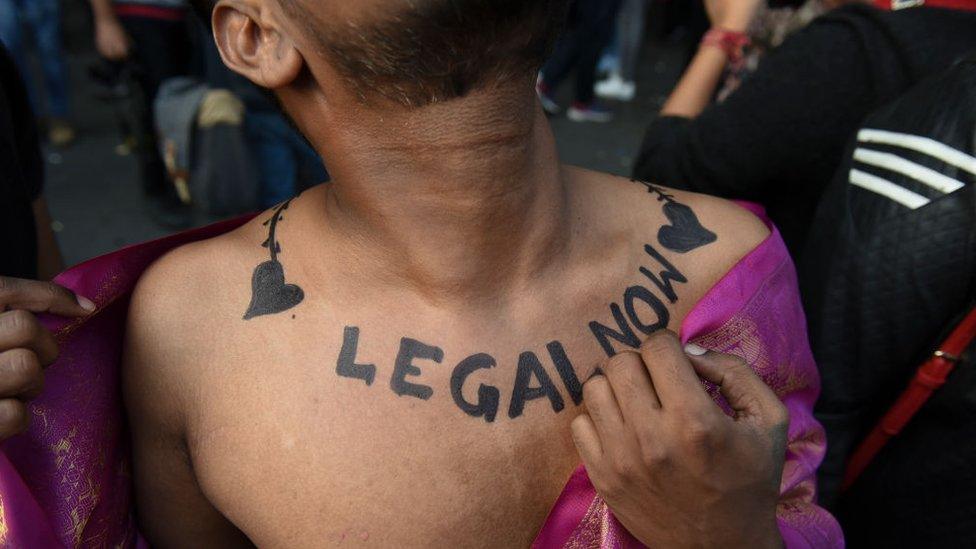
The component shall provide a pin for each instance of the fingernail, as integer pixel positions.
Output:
(596, 373)
(86, 303)
(695, 350)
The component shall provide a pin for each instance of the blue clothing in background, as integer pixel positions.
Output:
(43, 18)
(286, 162)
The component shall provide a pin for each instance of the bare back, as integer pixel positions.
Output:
(348, 410)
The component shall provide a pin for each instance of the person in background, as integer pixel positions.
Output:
(590, 30)
(153, 35)
(28, 243)
(621, 84)
(43, 17)
(888, 273)
(773, 24)
(779, 138)
(286, 163)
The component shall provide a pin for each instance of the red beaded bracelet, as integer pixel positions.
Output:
(733, 43)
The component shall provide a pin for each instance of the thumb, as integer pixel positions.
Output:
(745, 392)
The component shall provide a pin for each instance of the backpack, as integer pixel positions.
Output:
(203, 143)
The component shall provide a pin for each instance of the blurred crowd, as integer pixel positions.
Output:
(852, 123)
(175, 102)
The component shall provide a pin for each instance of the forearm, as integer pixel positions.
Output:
(103, 11)
(49, 260)
(697, 87)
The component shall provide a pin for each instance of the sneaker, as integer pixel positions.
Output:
(589, 113)
(616, 88)
(545, 97)
(60, 133)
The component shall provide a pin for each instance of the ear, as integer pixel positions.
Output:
(252, 44)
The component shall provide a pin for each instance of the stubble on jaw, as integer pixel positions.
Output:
(415, 53)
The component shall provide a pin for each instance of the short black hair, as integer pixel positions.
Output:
(429, 51)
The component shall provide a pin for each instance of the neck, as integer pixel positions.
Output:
(461, 200)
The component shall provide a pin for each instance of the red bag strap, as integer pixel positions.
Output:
(930, 376)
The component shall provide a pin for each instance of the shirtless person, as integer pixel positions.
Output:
(395, 359)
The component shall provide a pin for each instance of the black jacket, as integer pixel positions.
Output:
(21, 174)
(889, 268)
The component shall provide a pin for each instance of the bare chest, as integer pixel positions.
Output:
(301, 447)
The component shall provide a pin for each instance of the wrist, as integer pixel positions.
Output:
(734, 26)
(732, 43)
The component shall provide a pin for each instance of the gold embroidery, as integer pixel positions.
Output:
(3, 522)
(590, 531)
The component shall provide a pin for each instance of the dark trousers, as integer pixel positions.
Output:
(590, 29)
(161, 50)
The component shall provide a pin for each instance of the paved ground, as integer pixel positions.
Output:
(94, 194)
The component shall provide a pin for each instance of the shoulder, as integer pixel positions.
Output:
(706, 233)
(188, 286)
(861, 25)
(176, 314)
(834, 37)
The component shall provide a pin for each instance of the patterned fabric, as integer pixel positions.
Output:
(754, 313)
(66, 482)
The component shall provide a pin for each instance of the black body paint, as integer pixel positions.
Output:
(270, 295)
(346, 365)
(566, 371)
(624, 333)
(635, 293)
(488, 396)
(529, 367)
(640, 312)
(685, 233)
(404, 366)
(667, 276)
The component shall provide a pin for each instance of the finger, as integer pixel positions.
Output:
(21, 329)
(745, 392)
(13, 418)
(671, 372)
(602, 407)
(42, 297)
(21, 374)
(632, 387)
(587, 441)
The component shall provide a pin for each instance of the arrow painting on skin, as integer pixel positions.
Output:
(270, 294)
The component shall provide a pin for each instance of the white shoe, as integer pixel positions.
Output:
(589, 113)
(616, 88)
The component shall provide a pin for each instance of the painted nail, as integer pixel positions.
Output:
(695, 350)
(86, 303)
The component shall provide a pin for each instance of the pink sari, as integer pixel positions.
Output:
(66, 482)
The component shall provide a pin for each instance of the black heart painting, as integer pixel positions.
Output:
(269, 293)
(685, 233)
